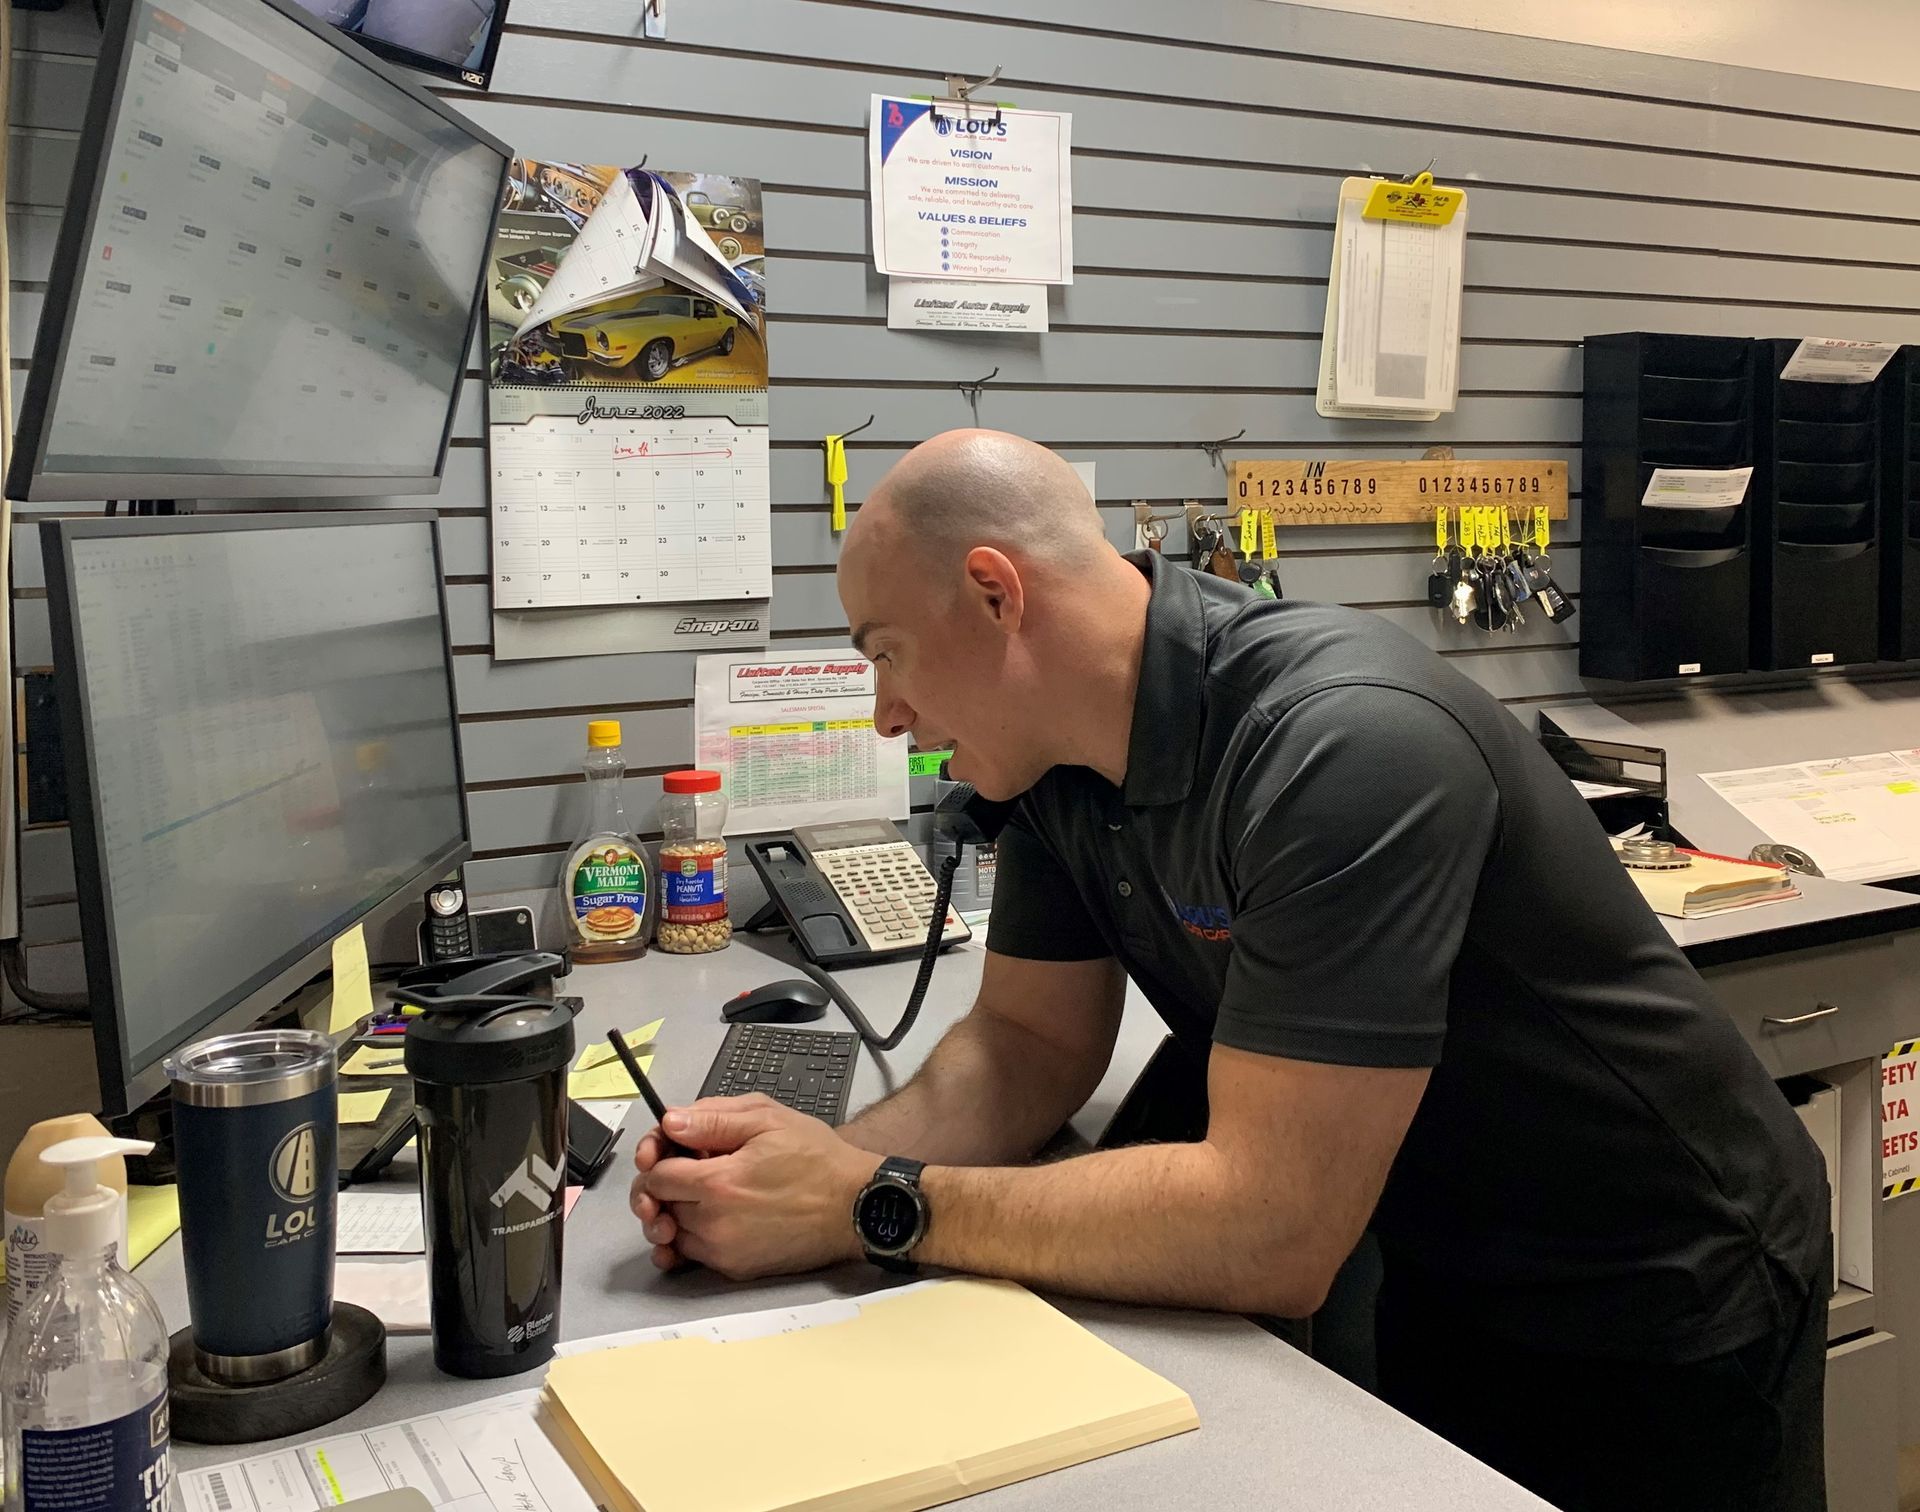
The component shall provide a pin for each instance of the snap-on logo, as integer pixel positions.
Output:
(694, 626)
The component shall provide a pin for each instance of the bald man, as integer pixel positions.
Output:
(1426, 997)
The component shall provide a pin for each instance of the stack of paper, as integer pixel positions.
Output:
(1390, 349)
(923, 1396)
(1711, 885)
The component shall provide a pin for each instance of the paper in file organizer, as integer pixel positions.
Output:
(922, 1396)
(1390, 349)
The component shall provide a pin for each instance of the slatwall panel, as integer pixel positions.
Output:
(1611, 191)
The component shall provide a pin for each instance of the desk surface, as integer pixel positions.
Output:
(1703, 730)
(1277, 1430)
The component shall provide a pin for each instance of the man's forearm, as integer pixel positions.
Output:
(1169, 1224)
(991, 1093)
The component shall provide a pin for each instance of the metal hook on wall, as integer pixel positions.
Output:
(1213, 449)
(960, 91)
(857, 429)
(971, 391)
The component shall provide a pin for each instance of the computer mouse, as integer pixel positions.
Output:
(794, 1002)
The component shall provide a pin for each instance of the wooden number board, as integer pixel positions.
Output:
(1385, 493)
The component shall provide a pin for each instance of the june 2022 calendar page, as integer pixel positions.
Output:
(628, 390)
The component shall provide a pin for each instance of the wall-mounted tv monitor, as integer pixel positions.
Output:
(456, 39)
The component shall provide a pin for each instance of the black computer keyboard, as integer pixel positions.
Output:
(806, 1069)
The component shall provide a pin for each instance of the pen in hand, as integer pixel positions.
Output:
(651, 1097)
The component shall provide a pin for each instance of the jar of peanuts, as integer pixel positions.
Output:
(693, 865)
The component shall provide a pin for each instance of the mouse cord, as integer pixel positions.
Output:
(930, 952)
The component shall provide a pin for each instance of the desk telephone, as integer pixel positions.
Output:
(853, 893)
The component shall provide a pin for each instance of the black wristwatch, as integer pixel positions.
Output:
(890, 1215)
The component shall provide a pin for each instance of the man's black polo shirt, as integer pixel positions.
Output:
(1331, 846)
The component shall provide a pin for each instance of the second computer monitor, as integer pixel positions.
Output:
(266, 280)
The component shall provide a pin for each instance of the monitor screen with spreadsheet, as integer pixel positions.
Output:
(266, 280)
(261, 749)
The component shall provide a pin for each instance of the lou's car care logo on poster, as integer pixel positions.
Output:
(293, 1172)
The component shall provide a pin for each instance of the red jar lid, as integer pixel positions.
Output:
(691, 781)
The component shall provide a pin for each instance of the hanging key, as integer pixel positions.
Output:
(1553, 603)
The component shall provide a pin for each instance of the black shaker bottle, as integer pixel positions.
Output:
(255, 1125)
(490, 1094)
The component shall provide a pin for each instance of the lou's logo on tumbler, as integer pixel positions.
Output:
(292, 1172)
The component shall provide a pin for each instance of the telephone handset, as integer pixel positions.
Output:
(853, 893)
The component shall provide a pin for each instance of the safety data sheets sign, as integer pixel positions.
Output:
(1391, 345)
(627, 363)
(971, 192)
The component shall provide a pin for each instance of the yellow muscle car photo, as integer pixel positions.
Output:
(655, 332)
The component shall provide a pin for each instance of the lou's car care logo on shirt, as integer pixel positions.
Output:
(1204, 921)
(293, 1172)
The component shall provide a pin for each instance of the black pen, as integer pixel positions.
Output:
(652, 1098)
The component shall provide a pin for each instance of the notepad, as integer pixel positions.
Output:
(924, 1396)
(1711, 885)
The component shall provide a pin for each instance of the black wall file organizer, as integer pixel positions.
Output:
(1816, 505)
(1663, 592)
(1900, 507)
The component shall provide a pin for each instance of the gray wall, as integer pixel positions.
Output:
(1611, 191)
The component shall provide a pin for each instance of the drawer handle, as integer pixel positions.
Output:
(1825, 1010)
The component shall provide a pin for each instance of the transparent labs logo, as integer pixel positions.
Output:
(294, 1172)
(532, 1180)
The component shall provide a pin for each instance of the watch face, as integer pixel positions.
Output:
(889, 1218)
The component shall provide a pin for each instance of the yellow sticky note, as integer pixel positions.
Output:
(600, 1051)
(352, 982)
(1903, 787)
(153, 1213)
(377, 1060)
(608, 1079)
(362, 1107)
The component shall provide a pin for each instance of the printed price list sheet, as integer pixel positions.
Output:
(630, 511)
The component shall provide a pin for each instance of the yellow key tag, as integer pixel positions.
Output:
(1542, 528)
(1422, 202)
(1269, 538)
(1249, 533)
(837, 479)
(1440, 530)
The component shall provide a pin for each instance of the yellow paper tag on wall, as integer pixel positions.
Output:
(1422, 202)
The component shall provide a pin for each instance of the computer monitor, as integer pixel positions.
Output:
(267, 278)
(457, 39)
(258, 719)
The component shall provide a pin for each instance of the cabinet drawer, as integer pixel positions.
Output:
(1863, 1469)
(1805, 1009)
